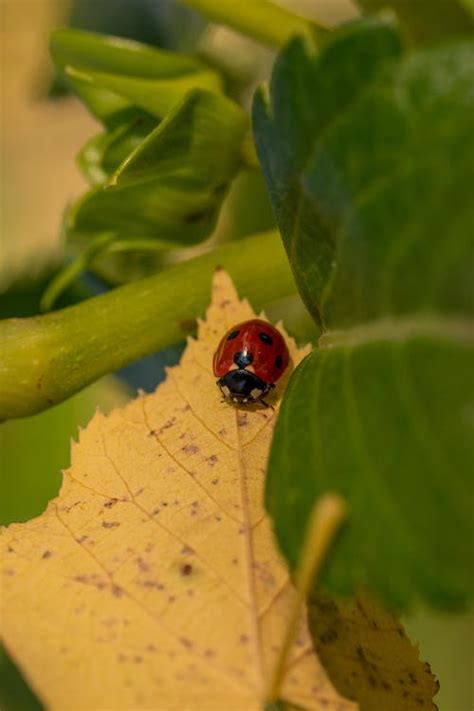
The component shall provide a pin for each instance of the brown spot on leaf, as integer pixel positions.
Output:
(186, 569)
(190, 448)
(46, 554)
(169, 423)
(143, 565)
(110, 524)
(152, 584)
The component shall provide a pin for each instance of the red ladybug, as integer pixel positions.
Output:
(249, 360)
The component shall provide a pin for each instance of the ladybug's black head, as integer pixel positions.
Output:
(243, 386)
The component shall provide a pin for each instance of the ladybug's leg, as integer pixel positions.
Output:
(269, 387)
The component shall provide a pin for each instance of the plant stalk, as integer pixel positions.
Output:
(260, 19)
(327, 515)
(46, 359)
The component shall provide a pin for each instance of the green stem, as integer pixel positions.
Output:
(73, 270)
(259, 19)
(46, 359)
(326, 517)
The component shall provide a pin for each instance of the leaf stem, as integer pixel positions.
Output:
(46, 359)
(74, 269)
(325, 519)
(260, 19)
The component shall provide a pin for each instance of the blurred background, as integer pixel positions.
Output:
(42, 129)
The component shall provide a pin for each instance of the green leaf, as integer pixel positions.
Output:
(262, 20)
(15, 695)
(386, 423)
(370, 168)
(308, 96)
(171, 187)
(428, 23)
(112, 74)
(102, 154)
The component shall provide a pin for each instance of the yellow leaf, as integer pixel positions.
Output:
(368, 656)
(153, 580)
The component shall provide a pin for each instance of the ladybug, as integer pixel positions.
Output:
(249, 360)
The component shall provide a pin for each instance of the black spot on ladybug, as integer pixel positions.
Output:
(233, 335)
(265, 338)
(278, 361)
(243, 358)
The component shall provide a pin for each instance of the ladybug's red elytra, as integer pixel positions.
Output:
(249, 360)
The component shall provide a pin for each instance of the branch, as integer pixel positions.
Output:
(46, 359)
